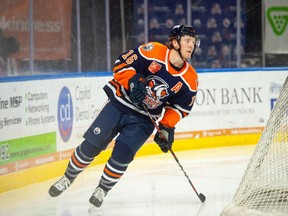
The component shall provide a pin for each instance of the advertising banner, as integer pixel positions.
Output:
(233, 103)
(276, 28)
(51, 23)
(42, 121)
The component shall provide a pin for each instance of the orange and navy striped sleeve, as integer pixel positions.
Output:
(122, 73)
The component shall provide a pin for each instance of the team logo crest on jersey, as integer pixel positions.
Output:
(148, 46)
(154, 67)
(157, 89)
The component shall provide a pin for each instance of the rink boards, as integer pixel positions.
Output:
(43, 118)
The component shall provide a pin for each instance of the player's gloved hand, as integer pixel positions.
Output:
(137, 88)
(165, 143)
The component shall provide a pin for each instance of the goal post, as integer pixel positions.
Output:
(263, 190)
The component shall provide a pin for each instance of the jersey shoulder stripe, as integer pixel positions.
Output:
(118, 67)
(188, 74)
(191, 79)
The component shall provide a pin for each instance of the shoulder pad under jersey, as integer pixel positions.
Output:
(153, 50)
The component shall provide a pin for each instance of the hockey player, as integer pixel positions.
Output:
(152, 75)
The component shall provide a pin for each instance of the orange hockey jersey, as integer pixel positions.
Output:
(168, 89)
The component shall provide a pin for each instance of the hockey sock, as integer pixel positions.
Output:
(116, 166)
(82, 156)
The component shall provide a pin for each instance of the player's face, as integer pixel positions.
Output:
(187, 44)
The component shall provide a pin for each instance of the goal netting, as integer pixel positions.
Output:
(263, 190)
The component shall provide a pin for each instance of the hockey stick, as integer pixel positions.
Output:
(200, 195)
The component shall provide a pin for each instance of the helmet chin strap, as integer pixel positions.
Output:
(179, 52)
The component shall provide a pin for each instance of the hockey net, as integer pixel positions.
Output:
(263, 190)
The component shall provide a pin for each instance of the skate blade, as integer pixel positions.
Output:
(94, 211)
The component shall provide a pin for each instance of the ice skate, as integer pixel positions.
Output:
(97, 197)
(58, 187)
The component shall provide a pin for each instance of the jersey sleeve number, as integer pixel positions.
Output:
(129, 59)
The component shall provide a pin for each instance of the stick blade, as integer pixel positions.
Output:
(202, 197)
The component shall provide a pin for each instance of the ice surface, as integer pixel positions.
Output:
(152, 186)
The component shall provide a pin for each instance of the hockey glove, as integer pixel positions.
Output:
(137, 88)
(165, 143)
